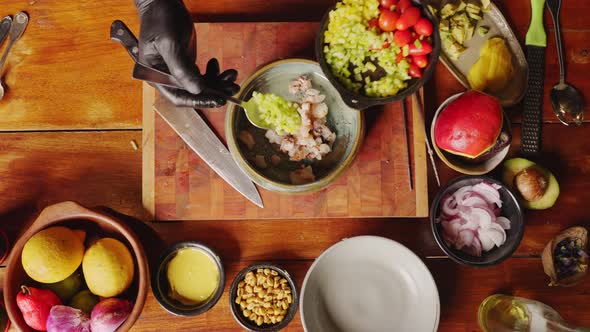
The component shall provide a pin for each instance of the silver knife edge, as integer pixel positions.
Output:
(248, 189)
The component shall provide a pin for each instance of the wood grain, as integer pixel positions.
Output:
(185, 188)
(65, 73)
(93, 168)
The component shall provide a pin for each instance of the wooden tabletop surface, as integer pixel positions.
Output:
(72, 110)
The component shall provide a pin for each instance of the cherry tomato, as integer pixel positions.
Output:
(373, 23)
(387, 4)
(402, 37)
(423, 27)
(420, 60)
(387, 20)
(425, 48)
(408, 18)
(414, 71)
(402, 5)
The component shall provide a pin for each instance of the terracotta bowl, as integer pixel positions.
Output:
(74, 215)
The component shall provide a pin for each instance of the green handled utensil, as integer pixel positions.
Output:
(536, 42)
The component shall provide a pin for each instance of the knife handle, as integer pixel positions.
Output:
(121, 34)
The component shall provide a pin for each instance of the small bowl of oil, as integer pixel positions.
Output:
(188, 279)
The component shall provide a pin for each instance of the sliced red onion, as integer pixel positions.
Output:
(465, 238)
(449, 206)
(471, 221)
(489, 193)
(504, 222)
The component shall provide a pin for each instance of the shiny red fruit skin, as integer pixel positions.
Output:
(414, 70)
(402, 5)
(423, 27)
(35, 304)
(402, 37)
(425, 48)
(409, 17)
(387, 20)
(469, 125)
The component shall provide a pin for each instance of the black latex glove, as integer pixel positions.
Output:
(167, 41)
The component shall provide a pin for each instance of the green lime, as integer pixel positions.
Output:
(84, 301)
(66, 288)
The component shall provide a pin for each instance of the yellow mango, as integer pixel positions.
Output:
(493, 70)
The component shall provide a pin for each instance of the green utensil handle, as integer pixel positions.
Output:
(536, 35)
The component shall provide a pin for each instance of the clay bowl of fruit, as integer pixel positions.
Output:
(477, 221)
(470, 133)
(387, 55)
(75, 269)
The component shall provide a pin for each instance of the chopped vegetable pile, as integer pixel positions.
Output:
(569, 257)
(277, 112)
(471, 221)
(458, 20)
(374, 47)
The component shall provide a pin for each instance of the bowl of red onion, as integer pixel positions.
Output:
(477, 221)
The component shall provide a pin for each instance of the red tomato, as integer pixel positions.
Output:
(373, 23)
(425, 48)
(423, 27)
(387, 4)
(408, 18)
(402, 5)
(420, 60)
(402, 37)
(414, 71)
(388, 20)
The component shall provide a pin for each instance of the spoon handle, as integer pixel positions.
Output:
(5, 28)
(16, 31)
(554, 9)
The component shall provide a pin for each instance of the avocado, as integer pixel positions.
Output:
(483, 30)
(522, 172)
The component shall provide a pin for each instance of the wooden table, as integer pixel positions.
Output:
(73, 110)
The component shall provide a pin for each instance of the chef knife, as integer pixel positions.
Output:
(195, 132)
(536, 42)
(193, 129)
(5, 25)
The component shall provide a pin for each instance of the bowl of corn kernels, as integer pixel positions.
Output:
(263, 297)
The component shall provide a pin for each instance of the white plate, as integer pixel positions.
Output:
(369, 283)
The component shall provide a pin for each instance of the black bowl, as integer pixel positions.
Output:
(248, 324)
(161, 287)
(358, 100)
(511, 209)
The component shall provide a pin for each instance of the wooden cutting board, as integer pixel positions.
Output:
(177, 185)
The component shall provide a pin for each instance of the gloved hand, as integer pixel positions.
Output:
(167, 42)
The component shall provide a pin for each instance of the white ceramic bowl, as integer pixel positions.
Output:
(369, 283)
(454, 162)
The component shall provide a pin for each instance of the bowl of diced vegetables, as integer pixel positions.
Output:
(377, 51)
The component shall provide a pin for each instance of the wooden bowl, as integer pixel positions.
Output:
(74, 215)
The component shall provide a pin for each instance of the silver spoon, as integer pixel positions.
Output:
(567, 101)
(5, 28)
(16, 31)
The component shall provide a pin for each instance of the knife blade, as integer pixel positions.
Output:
(191, 127)
(144, 73)
(5, 25)
(195, 132)
(536, 43)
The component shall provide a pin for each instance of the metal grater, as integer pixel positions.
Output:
(536, 42)
(533, 101)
